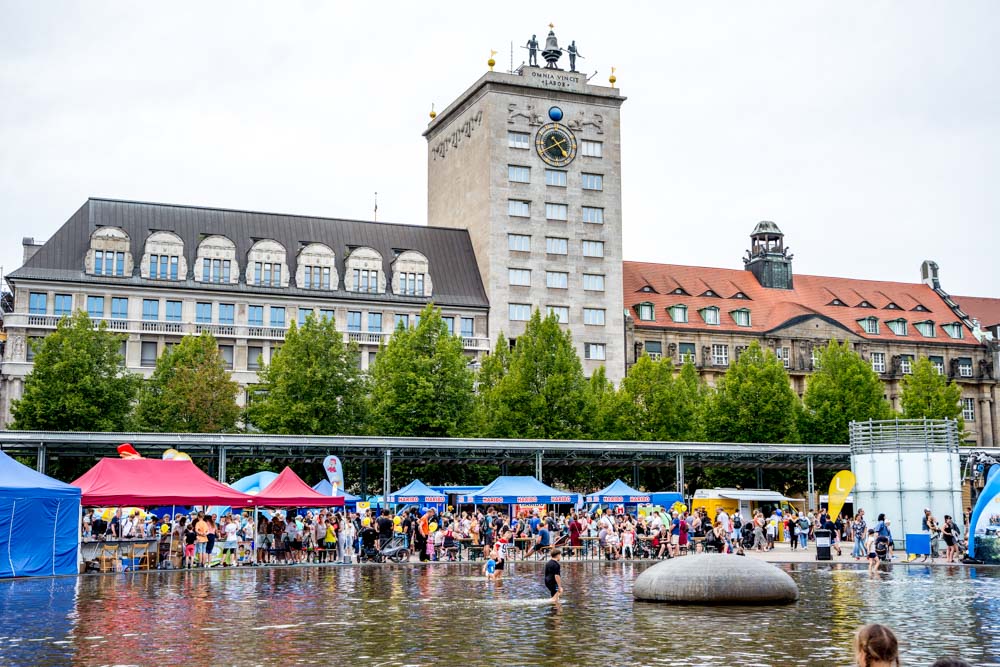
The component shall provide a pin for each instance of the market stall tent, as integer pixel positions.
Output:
(39, 523)
(288, 490)
(522, 490)
(149, 482)
(619, 493)
(417, 492)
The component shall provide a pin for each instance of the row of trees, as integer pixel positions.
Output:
(421, 384)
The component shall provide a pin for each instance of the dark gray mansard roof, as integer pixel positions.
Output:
(449, 252)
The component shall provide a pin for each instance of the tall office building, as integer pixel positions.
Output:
(529, 162)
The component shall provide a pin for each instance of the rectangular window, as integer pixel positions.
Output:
(277, 316)
(303, 314)
(147, 353)
(518, 140)
(964, 367)
(687, 352)
(710, 315)
(592, 181)
(174, 260)
(154, 266)
(593, 215)
(969, 409)
(325, 315)
(646, 312)
(679, 313)
(897, 327)
(119, 264)
(307, 273)
(557, 279)
(276, 276)
(518, 174)
(555, 177)
(953, 330)
(354, 320)
(782, 353)
(561, 313)
(150, 309)
(741, 317)
(519, 277)
(449, 323)
(870, 325)
(119, 308)
(109, 263)
(905, 364)
(593, 282)
(267, 274)
(518, 208)
(375, 321)
(33, 344)
(254, 355)
(519, 242)
(227, 313)
(366, 280)
(98, 262)
(720, 355)
(216, 270)
(95, 307)
(653, 348)
(324, 282)
(203, 313)
(226, 351)
(403, 320)
(556, 212)
(173, 311)
(225, 271)
(926, 329)
(591, 148)
(206, 270)
(556, 246)
(519, 312)
(593, 248)
(878, 362)
(594, 351)
(38, 303)
(468, 327)
(63, 304)
(255, 316)
(594, 316)
(938, 363)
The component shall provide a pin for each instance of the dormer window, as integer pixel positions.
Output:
(710, 315)
(740, 295)
(216, 261)
(316, 268)
(647, 289)
(925, 328)
(266, 265)
(953, 330)
(836, 302)
(679, 313)
(864, 304)
(645, 311)
(364, 271)
(109, 253)
(741, 317)
(920, 309)
(164, 257)
(680, 291)
(410, 275)
(869, 325)
(709, 292)
(892, 306)
(897, 327)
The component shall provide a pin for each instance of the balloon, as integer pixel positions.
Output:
(433, 526)
(366, 522)
(169, 454)
(181, 456)
(397, 520)
(108, 514)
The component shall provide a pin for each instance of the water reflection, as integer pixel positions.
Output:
(418, 615)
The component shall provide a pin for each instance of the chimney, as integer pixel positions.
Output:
(30, 248)
(929, 274)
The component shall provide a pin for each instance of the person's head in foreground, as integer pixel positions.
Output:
(876, 646)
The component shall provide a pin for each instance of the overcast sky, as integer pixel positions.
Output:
(867, 130)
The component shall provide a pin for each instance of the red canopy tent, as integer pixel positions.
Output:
(288, 490)
(148, 482)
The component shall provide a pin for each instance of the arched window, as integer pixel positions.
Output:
(266, 265)
(363, 271)
(109, 253)
(316, 268)
(163, 258)
(410, 275)
(216, 261)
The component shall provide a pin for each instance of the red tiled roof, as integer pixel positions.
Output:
(984, 309)
(771, 308)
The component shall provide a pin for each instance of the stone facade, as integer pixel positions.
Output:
(470, 186)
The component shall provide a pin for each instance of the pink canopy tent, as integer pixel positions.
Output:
(148, 482)
(288, 490)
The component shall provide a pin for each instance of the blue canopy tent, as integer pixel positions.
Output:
(519, 490)
(666, 499)
(39, 523)
(324, 487)
(619, 493)
(418, 493)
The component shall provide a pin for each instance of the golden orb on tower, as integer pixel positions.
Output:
(433, 113)
(491, 62)
(612, 78)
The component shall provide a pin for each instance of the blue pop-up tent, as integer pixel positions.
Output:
(417, 492)
(619, 493)
(324, 487)
(521, 490)
(39, 523)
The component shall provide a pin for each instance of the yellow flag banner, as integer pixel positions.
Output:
(840, 487)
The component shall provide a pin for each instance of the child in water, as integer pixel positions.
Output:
(553, 579)
(490, 568)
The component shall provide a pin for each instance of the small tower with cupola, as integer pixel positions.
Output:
(768, 259)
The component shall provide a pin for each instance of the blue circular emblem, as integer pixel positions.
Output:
(555, 114)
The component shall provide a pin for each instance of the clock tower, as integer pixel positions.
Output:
(529, 162)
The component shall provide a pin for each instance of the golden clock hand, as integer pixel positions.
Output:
(557, 144)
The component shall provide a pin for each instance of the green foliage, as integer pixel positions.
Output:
(660, 405)
(544, 393)
(754, 402)
(190, 391)
(928, 394)
(608, 410)
(78, 382)
(843, 389)
(312, 385)
(492, 369)
(421, 382)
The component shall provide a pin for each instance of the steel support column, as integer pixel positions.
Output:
(364, 479)
(41, 456)
(538, 465)
(386, 477)
(811, 480)
(222, 463)
(635, 474)
(680, 474)
(760, 477)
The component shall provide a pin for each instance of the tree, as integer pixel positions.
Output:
(754, 401)
(544, 393)
(928, 394)
(190, 391)
(492, 369)
(78, 382)
(662, 405)
(610, 417)
(842, 389)
(422, 383)
(313, 385)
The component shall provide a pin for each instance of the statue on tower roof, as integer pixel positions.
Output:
(532, 47)
(573, 53)
(552, 52)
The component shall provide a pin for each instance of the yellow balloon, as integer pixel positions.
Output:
(107, 514)
(169, 454)
(181, 456)
(397, 521)
(433, 526)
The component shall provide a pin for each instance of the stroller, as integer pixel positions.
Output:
(746, 535)
(395, 549)
(369, 552)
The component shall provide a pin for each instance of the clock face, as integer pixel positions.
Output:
(555, 144)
